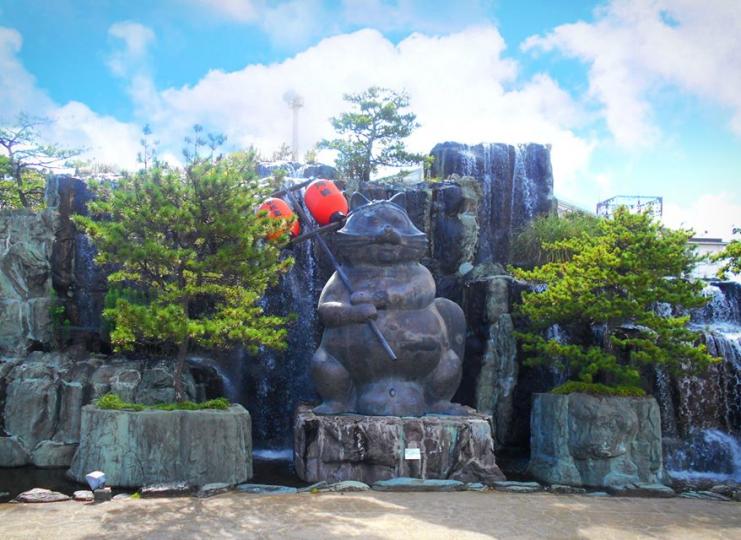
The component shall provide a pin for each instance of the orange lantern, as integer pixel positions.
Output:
(325, 201)
(279, 209)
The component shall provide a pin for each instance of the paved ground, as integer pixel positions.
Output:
(376, 515)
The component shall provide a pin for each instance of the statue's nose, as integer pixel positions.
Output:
(390, 236)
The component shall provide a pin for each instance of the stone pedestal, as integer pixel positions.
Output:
(595, 441)
(371, 448)
(147, 447)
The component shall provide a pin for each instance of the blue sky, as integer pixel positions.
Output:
(636, 96)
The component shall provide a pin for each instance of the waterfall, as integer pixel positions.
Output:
(701, 414)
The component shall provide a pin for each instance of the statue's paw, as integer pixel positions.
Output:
(450, 408)
(332, 407)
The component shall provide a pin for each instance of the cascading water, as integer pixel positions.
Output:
(701, 414)
(276, 382)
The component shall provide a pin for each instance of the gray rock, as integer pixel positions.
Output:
(560, 489)
(140, 448)
(642, 490)
(724, 489)
(476, 486)
(418, 484)
(121, 497)
(518, 487)
(266, 489)
(13, 453)
(704, 495)
(40, 495)
(52, 454)
(584, 440)
(215, 488)
(32, 400)
(102, 495)
(83, 495)
(345, 486)
(597, 494)
(316, 487)
(167, 489)
(26, 240)
(372, 448)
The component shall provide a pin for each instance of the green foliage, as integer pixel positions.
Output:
(59, 320)
(731, 255)
(310, 156)
(25, 162)
(193, 247)
(284, 153)
(114, 402)
(597, 389)
(614, 279)
(372, 133)
(529, 245)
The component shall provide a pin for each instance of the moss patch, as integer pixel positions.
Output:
(114, 402)
(597, 389)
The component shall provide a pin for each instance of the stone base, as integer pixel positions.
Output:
(138, 448)
(595, 441)
(373, 448)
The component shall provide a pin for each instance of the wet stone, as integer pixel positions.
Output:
(560, 489)
(216, 488)
(724, 489)
(476, 486)
(597, 494)
(121, 497)
(40, 495)
(102, 495)
(518, 487)
(704, 495)
(345, 486)
(83, 495)
(642, 490)
(168, 489)
(314, 488)
(266, 489)
(418, 484)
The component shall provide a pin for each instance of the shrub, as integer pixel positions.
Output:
(114, 402)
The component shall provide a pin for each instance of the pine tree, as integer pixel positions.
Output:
(730, 256)
(614, 281)
(191, 245)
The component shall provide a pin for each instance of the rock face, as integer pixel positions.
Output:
(26, 241)
(373, 448)
(138, 448)
(42, 395)
(517, 184)
(583, 440)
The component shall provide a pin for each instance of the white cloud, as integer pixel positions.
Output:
(459, 85)
(136, 39)
(635, 47)
(237, 10)
(18, 91)
(710, 216)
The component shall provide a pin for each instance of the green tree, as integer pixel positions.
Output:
(528, 245)
(615, 280)
(372, 133)
(27, 158)
(189, 241)
(731, 257)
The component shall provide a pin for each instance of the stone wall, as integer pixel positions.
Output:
(42, 395)
(26, 242)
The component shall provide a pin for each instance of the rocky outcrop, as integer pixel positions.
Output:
(26, 241)
(139, 448)
(583, 440)
(372, 448)
(517, 184)
(44, 394)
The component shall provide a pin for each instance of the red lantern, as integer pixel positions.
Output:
(325, 202)
(279, 209)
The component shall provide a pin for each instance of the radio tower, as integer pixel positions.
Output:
(295, 102)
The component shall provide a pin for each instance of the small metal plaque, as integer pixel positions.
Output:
(412, 453)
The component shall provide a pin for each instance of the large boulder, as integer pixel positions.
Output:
(584, 440)
(517, 185)
(372, 448)
(146, 447)
(26, 241)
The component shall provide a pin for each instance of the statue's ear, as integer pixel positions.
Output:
(357, 200)
(399, 199)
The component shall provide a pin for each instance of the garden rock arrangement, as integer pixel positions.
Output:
(42, 395)
(373, 448)
(584, 440)
(136, 448)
